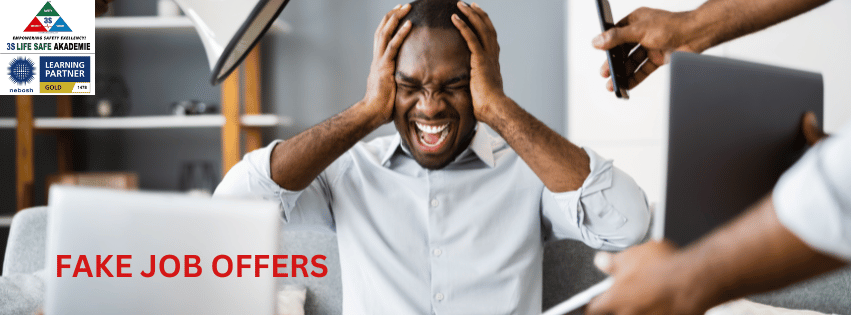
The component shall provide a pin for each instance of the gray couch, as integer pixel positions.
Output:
(567, 269)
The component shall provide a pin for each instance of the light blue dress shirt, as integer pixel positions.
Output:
(465, 239)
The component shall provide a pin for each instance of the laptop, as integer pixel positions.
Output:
(733, 129)
(87, 222)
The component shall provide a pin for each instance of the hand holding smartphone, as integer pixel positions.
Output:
(616, 56)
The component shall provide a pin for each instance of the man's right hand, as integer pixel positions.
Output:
(295, 163)
(659, 33)
(381, 84)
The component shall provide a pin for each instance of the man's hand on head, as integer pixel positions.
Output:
(657, 33)
(381, 83)
(561, 165)
(485, 76)
(296, 162)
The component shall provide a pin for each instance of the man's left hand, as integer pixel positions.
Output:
(485, 76)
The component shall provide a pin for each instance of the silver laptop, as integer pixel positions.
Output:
(90, 222)
(734, 128)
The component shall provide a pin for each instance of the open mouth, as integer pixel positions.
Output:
(431, 138)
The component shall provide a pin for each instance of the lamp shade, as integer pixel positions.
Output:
(229, 29)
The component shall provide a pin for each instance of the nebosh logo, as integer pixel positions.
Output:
(21, 70)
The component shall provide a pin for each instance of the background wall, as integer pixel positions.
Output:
(630, 132)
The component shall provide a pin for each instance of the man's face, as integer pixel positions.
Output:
(434, 109)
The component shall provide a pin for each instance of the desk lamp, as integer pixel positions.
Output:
(229, 29)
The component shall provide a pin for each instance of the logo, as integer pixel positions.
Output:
(47, 20)
(21, 70)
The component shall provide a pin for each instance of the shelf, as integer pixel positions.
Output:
(150, 122)
(168, 24)
(8, 123)
(5, 221)
(231, 132)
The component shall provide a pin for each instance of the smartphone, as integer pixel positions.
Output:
(617, 56)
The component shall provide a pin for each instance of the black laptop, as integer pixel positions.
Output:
(734, 128)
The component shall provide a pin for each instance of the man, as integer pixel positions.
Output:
(801, 230)
(442, 217)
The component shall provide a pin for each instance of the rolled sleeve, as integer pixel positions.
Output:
(608, 212)
(252, 178)
(813, 198)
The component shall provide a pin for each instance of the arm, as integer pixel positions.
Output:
(724, 20)
(594, 202)
(753, 254)
(661, 32)
(561, 165)
(295, 163)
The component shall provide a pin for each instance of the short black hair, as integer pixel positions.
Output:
(435, 14)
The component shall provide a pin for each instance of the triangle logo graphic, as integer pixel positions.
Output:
(47, 19)
(35, 26)
(60, 26)
(47, 10)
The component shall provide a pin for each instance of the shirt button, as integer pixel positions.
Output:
(438, 296)
(437, 252)
(435, 203)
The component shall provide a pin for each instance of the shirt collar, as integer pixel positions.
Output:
(395, 145)
(481, 145)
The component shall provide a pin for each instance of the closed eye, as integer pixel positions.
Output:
(408, 86)
(462, 87)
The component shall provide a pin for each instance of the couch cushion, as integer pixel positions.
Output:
(828, 293)
(324, 295)
(25, 250)
(568, 269)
